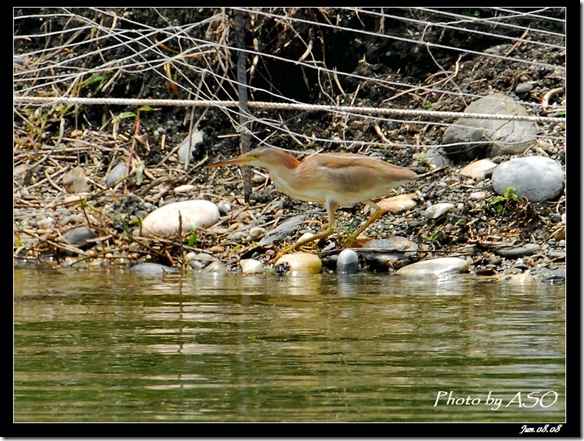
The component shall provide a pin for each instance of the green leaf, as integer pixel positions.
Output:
(93, 79)
(125, 115)
(510, 194)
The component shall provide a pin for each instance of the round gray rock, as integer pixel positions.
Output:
(535, 177)
(116, 174)
(80, 237)
(471, 138)
(348, 262)
(153, 269)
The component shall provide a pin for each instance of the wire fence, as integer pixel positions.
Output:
(101, 56)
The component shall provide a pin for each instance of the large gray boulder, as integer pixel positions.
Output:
(535, 177)
(478, 137)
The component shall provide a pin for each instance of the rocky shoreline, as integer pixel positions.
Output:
(491, 192)
(507, 240)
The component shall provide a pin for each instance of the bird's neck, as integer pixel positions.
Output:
(284, 174)
(288, 161)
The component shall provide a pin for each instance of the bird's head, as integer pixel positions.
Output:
(265, 157)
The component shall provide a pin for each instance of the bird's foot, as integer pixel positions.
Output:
(281, 253)
(305, 239)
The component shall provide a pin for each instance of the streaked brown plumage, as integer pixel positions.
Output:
(333, 179)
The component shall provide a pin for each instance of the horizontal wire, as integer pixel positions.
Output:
(281, 106)
(204, 43)
(149, 54)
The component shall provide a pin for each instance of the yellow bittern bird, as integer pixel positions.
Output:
(333, 179)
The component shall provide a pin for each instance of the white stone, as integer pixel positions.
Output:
(184, 188)
(437, 210)
(477, 195)
(184, 152)
(478, 169)
(164, 221)
(251, 266)
(398, 203)
(434, 267)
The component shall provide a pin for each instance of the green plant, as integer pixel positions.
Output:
(434, 235)
(192, 239)
(94, 80)
(503, 201)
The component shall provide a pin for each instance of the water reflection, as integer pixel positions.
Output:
(110, 346)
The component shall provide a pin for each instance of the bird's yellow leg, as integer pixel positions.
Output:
(311, 238)
(301, 242)
(331, 208)
(376, 215)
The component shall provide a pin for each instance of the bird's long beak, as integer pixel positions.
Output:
(243, 159)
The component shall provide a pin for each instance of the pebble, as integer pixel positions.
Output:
(216, 267)
(557, 255)
(67, 218)
(435, 158)
(557, 275)
(301, 263)
(348, 262)
(46, 223)
(256, 232)
(523, 250)
(164, 221)
(80, 237)
(75, 181)
(398, 203)
(184, 152)
(523, 88)
(74, 199)
(239, 236)
(282, 231)
(251, 266)
(395, 243)
(385, 252)
(479, 169)
(535, 177)
(437, 210)
(477, 195)
(197, 264)
(434, 267)
(468, 250)
(116, 174)
(199, 260)
(153, 269)
(187, 188)
(224, 208)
